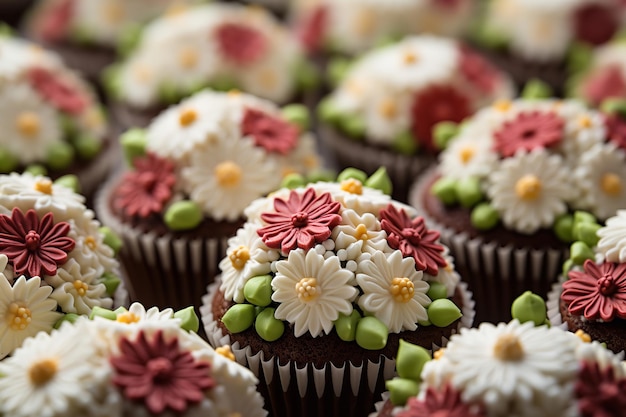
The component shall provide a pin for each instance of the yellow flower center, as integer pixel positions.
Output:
(44, 186)
(234, 93)
(467, 153)
(41, 372)
(352, 186)
(360, 232)
(18, 317)
(225, 352)
(583, 336)
(142, 73)
(187, 117)
(307, 289)
(611, 184)
(311, 161)
(268, 78)
(28, 124)
(188, 58)
(438, 353)
(127, 318)
(584, 122)
(508, 348)
(502, 105)
(91, 243)
(388, 108)
(528, 187)
(228, 174)
(409, 58)
(402, 289)
(239, 257)
(80, 287)
(113, 13)
(365, 22)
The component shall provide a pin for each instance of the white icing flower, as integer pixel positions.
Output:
(312, 292)
(394, 291)
(6, 272)
(595, 352)
(140, 81)
(358, 234)
(612, 243)
(541, 36)
(90, 251)
(530, 190)
(387, 114)
(352, 194)
(446, 275)
(469, 155)
(246, 257)
(583, 130)
(25, 309)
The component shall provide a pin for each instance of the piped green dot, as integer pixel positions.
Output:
(352, 125)
(238, 318)
(87, 146)
(584, 217)
(258, 290)
(579, 57)
(371, 333)
(614, 106)
(352, 173)
(484, 216)
(563, 228)
(60, 156)
(292, 181)
(443, 312)
(567, 266)
(443, 132)
(183, 215)
(337, 69)
(8, 161)
(129, 38)
(424, 323)
(111, 282)
(410, 360)
(328, 112)
(133, 144)
(316, 175)
(536, 89)
(307, 76)
(380, 180)
(405, 143)
(401, 389)
(345, 326)
(297, 114)
(445, 190)
(111, 239)
(587, 233)
(69, 318)
(529, 307)
(580, 252)
(468, 191)
(189, 319)
(69, 181)
(103, 312)
(437, 290)
(268, 326)
(36, 169)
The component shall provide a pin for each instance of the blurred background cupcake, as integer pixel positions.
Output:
(319, 285)
(507, 190)
(191, 174)
(388, 103)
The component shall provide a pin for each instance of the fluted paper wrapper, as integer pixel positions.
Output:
(553, 305)
(496, 274)
(162, 271)
(402, 169)
(295, 389)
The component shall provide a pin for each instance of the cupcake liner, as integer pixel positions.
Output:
(163, 271)
(331, 389)
(553, 306)
(496, 273)
(402, 169)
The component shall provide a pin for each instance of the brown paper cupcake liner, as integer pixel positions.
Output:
(302, 389)
(496, 273)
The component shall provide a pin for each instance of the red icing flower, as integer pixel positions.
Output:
(599, 392)
(301, 221)
(598, 292)
(595, 24)
(446, 403)
(145, 190)
(616, 129)
(605, 83)
(433, 105)
(478, 70)
(34, 247)
(57, 91)
(413, 239)
(271, 133)
(240, 43)
(529, 130)
(53, 24)
(312, 27)
(160, 374)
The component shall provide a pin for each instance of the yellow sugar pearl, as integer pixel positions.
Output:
(438, 354)
(268, 78)
(44, 186)
(360, 232)
(583, 336)
(187, 117)
(402, 289)
(142, 73)
(584, 121)
(611, 184)
(239, 257)
(307, 289)
(28, 124)
(365, 22)
(18, 317)
(528, 187)
(188, 58)
(42, 371)
(467, 153)
(80, 287)
(388, 108)
(127, 318)
(228, 174)
(352, 186)
(502, 105)
(226, 352)
(508, 348)
(91, 243)
(113, 12)
(409, 58)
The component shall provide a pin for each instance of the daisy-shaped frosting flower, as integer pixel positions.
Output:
(612, 243)
(358, 234)
(598, 292)
(312, 292)
(469, 156)
(90, 250)
(353, 195)
(270, 132)
(528, 131)
(146, 189)
(57, 91)
(25, 309)
(239, 43)
(393, 291)
(446, 402)
(447, 274)
(301, 221)
(34, 246)
(599, 391)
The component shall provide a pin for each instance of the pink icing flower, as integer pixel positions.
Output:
(529, 130)
(145, 190)
(57, 91)
(34, 247)
(446, 403)
(53, 24)
(311, 29)
(271, 133)
(605, 83)
(599, 392)
(616, 129)
(433, 105)
(413, 239)
(478, 70)
(301, 221)
(240, 43)
(160, 374)
(595, 23)
(598, 292)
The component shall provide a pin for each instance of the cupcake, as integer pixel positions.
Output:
(56, 261)
(134, 363)
(534, 39)
(508, 186)
(52, 122)
(192, 173)
(389, 101)
(508, 370)
(319, 285)
(86, 33)
(590, 294)
(222, 46)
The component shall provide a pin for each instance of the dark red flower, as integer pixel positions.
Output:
(312, 27)
(160, 374)
(616, 129)
(478, 71)
(271, 133)
(433, 105)
(413, 239)
(34, 247)
(595, 23)
(146, 189)
(53, 23)
(599, 392)
(446, 403)
(301, 221)
(57, 91)
(604, 83)
(240, 43)
(598, 292)
(529, 130)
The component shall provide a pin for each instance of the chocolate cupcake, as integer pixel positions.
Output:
(319, 285)
(390, 100)
(192, 173)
